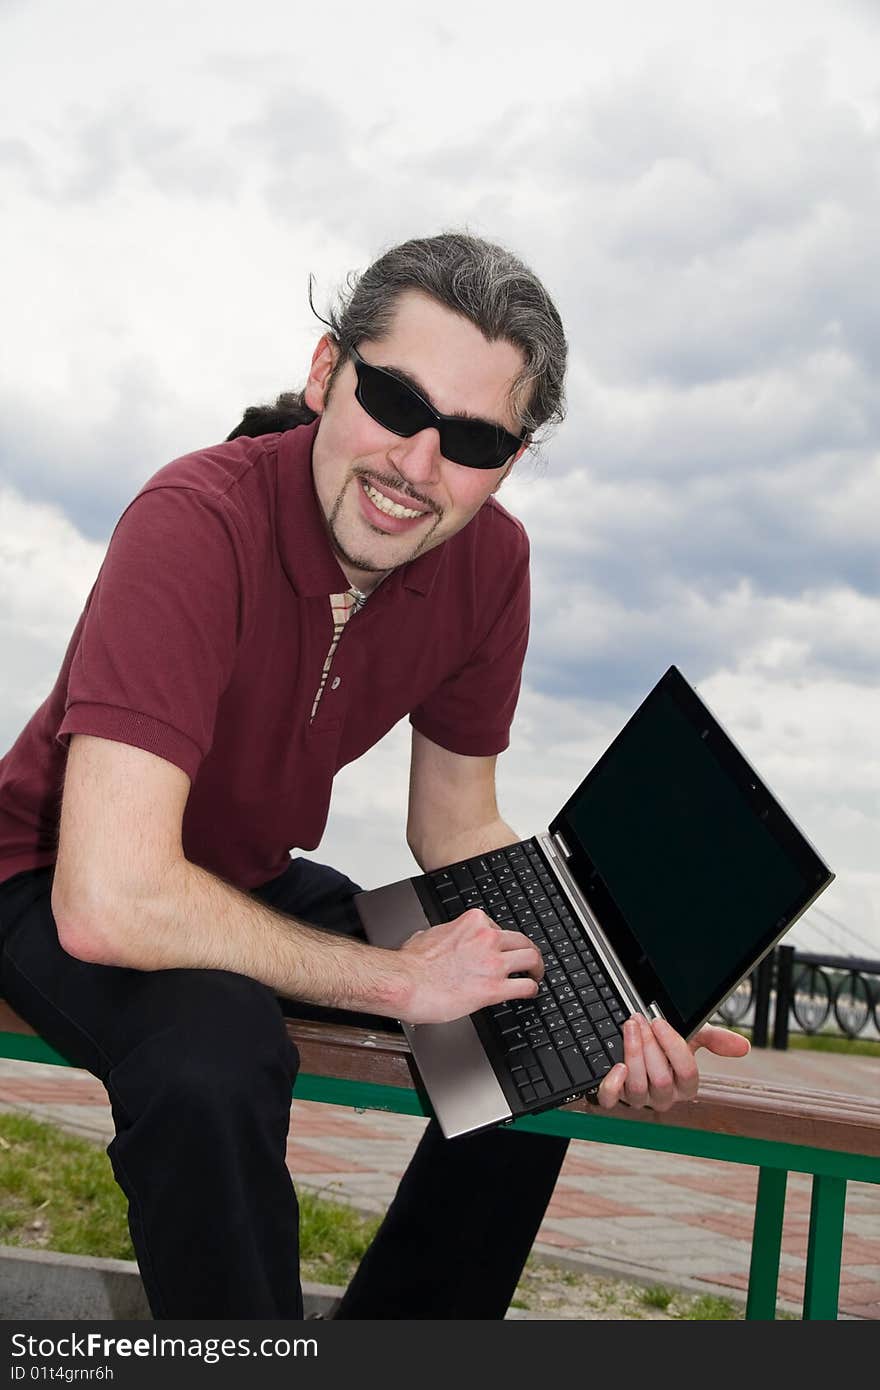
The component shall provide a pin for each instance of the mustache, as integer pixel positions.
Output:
(398, 485)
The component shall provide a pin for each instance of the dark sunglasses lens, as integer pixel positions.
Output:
(391, 402)
(475, 443)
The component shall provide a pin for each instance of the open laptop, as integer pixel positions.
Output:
(661, 883)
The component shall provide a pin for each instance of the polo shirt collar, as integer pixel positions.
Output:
(305, 549)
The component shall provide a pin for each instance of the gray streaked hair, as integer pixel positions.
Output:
(479, 280)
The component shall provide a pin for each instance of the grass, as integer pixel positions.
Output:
(825, 1042)
(57, 1192)
(657, 1296)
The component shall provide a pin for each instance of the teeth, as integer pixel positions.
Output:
(386, 505)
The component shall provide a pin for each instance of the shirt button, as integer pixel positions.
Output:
(335, 683)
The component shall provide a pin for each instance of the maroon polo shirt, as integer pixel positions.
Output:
(203, 641)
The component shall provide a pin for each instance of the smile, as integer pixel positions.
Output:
(385, 504)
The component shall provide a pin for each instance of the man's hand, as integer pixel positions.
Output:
(659, 1066)
(466, 964)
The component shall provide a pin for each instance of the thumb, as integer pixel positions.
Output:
(721, 1041)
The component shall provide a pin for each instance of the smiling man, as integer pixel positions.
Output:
(267, 610)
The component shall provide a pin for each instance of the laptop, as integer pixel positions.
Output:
(660, 884)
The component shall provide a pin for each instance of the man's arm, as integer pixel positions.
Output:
(453, 813)
(125, 895)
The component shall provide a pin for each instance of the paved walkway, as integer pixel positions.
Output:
(650, 1217)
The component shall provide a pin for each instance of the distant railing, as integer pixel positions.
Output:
(834, 995)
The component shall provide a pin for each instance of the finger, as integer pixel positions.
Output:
(515, 987)
(511, 940)
(661, 1078)
(721, 1041)
(634, 1057)
(528, 959)
(680, 1057)
(609, 1092)
(516, 940)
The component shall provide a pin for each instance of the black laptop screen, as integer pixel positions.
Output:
(688, 861)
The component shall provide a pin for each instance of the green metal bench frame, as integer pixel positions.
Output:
(835, 1138)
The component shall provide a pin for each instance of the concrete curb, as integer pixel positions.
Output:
(45, 1285)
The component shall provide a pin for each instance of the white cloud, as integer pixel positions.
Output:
(698, 186)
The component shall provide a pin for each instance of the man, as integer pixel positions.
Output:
(267, 610)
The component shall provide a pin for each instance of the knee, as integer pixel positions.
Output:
(234, 1055)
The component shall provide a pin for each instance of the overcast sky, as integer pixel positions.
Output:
(699, 187)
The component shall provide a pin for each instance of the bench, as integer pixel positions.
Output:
(835, 1138)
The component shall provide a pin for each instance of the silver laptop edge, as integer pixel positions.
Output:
(451, 1059)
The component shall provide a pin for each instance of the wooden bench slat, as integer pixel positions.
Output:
(725, 1105)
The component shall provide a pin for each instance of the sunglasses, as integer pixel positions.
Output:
(400, 409)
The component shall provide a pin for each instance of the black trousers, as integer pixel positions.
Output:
(199, 1068)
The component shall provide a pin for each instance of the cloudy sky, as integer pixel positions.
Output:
(699, 186)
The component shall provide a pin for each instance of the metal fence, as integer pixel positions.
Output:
(835, 995)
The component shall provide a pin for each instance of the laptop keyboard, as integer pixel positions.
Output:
(567, 1037)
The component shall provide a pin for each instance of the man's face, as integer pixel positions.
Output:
(361, 469)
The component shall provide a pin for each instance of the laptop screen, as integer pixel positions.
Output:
(691, 866)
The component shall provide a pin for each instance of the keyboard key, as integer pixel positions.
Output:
(601, 1066)
(563, 1038)
(509, 1024)
(462, 876)
(553, 1069)
(596, 1011)
(588, 996)
(614, 1048)
(577, 1066)
(527, 1094)
(590, 1046)
(573, 1009)
(606, 1028)
(564, 948)
(542, 1090)
(538, 1037)
(582, 1028)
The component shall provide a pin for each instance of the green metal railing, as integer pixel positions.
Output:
(831, 1170)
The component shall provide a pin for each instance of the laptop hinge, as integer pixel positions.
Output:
(561, 845)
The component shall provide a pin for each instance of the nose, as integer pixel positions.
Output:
(417, 459)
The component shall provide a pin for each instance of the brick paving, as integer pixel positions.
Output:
(656, 1218)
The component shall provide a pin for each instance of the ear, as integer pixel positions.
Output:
(324, 359)
(518, 455)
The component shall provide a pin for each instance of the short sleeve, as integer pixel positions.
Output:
(472, 710)
(158, 637)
